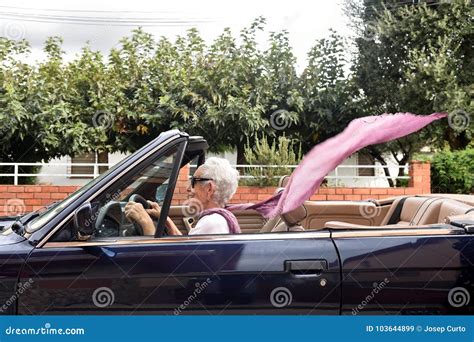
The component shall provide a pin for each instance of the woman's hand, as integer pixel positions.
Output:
(155, 210)
(136, 213)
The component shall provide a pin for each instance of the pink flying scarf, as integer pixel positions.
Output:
(324, 157)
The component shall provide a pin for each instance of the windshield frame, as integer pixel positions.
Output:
(54, 221)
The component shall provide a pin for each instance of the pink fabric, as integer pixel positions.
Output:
(324, 157)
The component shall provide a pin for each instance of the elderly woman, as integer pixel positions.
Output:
(212, 186)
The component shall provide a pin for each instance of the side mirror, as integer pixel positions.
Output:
(83, 222)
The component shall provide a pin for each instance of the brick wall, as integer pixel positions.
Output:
(18, 199)
(25, 198)
(419, 182)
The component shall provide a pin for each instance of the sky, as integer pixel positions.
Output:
(103, 23)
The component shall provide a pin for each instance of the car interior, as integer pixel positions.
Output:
(392, 213)
(396, 212)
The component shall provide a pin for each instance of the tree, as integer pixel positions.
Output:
(329, 95)
(204, 90)
(415, 58)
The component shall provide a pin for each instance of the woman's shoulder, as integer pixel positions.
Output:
(215, 217)
(211, 224)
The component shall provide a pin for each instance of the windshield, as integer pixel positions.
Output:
(48, 214)
(108, 208)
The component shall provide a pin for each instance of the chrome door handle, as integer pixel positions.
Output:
(306, 267)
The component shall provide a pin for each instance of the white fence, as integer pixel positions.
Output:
(16, 174)
(339, 177)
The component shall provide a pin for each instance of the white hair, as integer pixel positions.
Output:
(225, 177)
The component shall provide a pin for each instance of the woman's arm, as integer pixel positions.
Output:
(136, 213)
(171, 227)
(155, 211)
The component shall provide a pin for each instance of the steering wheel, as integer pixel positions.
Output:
(139, 199)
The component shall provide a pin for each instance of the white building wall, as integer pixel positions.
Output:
(68, 179)
(380, 181)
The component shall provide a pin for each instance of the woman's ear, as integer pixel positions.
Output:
(211, 188)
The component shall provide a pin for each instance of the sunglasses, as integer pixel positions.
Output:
(197, 179)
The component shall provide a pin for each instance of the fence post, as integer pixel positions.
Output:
(420, 177)
(96, 170)
(15, 174)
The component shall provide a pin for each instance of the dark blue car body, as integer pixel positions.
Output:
(312, 272)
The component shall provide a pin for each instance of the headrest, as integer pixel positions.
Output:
(283, 181)
(452, 208)
(465, 217)
(278, 190)
(295, 216)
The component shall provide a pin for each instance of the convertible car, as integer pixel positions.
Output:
(411, 255)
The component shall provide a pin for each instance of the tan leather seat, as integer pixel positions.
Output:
(443, 210)
(418, 211)
(283, 182)
(409, 215)
(291, 222)
(287, 222)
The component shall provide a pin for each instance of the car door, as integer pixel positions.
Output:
(406, 271)
(282, 273)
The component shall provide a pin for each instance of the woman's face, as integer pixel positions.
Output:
(202, 191)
